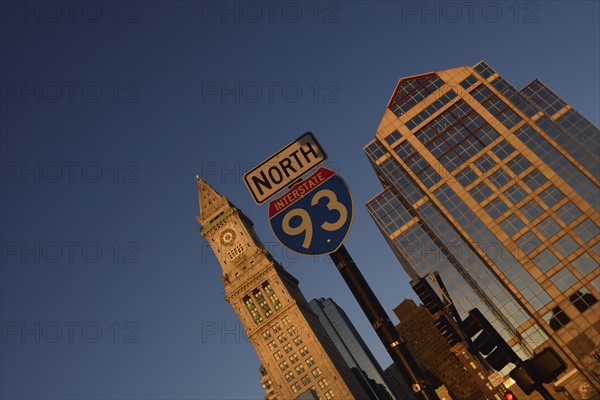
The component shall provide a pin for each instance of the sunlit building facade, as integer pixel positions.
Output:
(498, 190)
(297, 357)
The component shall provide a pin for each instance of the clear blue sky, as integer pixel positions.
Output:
(109, 111)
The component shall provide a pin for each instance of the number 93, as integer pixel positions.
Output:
(305, 226)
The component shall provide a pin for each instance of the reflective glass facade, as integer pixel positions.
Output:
(498, 190)
(353, 349)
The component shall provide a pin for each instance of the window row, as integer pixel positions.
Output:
(582, 299)
(257, 296)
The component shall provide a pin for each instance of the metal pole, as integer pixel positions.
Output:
(384, 328)
(544, 392)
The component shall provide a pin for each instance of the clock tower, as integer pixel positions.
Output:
(291, 343)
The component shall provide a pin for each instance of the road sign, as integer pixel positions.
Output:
(284, 167)
(315, 215)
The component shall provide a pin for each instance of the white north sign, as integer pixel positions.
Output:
(284, 167)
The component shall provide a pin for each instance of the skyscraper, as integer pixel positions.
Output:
(287, 336)
(498, 190)
(351, 346)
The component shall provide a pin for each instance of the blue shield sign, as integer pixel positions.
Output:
(315, 215)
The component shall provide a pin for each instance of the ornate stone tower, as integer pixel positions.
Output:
(291, 343)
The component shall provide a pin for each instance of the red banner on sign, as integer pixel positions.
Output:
(299, 190)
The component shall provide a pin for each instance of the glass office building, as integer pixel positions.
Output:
(354, 350)
(498, 190)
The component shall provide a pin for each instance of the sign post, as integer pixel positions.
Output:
(313, 218)
(385, 329)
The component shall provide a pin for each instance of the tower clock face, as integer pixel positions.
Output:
(227, 237)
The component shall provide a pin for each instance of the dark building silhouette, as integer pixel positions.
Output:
(463, 376)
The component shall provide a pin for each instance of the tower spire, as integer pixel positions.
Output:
(210, 202)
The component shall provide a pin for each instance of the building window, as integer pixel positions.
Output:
(271, 295)
(485, 163)
(266, 334)
(466, 176)
(289, 376)
(252, 309)
(548, 227)
(484, 70)
(528, 242)
(297, 340)
(294, 358)
(262, 302)
(518, 165)
(585, 264)
(300, 369)
(468, 82)
(496, 208)
(532, 210)
(295, 388)
(587, 230)
(568, 212)
(272, 345)
(583, 299)
(557, 318)
(316, 372)
(285, 320)
(323, 383)
(551, 196)
(309, 361)
(566, 245)
(515, 193)
(287, 348)
(304, 351)
(277, 355)
(503, 149)
(393, 137)
(546, 260)
(282, 338)
(329, 394)
(499, 178)
(236, 251)
(283, 366)
(512, 224)
(374, 150)
(534, 180)
(412, 91)
(292, 331)
(276, 327)
(305, 380)
(481, 192)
